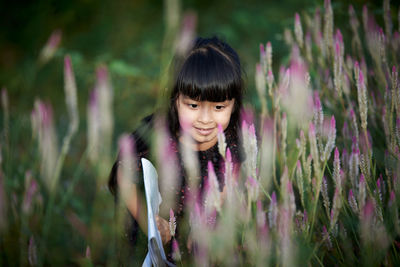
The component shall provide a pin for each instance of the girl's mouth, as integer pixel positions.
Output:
(204, 131)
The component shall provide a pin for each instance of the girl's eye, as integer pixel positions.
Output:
(193, 105)
(219, 107)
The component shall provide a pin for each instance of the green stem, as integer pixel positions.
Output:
(316, 200)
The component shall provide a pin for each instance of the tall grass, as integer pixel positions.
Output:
(319, 184)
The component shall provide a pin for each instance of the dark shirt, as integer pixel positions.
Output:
(142, 139)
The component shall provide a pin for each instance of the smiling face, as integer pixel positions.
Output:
(201, 119)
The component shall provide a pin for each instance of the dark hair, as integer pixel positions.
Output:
(211, 72)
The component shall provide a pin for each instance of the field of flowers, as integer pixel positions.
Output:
(319, 185)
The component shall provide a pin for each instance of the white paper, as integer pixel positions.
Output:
(156, 255)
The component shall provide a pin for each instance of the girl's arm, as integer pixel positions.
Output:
(136, 204)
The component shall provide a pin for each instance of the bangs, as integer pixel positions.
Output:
(208, 75)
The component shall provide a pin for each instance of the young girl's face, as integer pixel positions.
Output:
(201, 119)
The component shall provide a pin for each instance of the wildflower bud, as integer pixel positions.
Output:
(362, 100)
(326, 237)
(330, 144)
(176, 254)
(212, 192)
(353, 202)
(324, 191)
(88, 253)
(50, 47)
(261, 220)
(172, 222)
(32, 252)
(70, 94)
(298, 30)
(337, 204)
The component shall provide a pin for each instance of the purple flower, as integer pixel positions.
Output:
(172, 222)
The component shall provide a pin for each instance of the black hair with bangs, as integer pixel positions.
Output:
(211, 72)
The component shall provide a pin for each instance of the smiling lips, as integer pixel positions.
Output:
(204, 131)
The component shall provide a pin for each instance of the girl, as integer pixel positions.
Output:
(207, 94)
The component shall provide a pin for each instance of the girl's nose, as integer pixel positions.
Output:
(205, 115)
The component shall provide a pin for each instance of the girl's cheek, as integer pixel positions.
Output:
(184, 123)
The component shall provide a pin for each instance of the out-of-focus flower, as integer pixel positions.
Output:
(252, 188)
(324, 191)
(70, 94)
(362, 194)
(32, 252)
(50, 47)
(31, 187)
(337, 204)
(273, 211)
(250, 148)
(88, 253)
(221, 141)
(330, 144)
(326, 237)
(100, 118)
(127, 165)
(212, 194)
(169, 179)
(362, 100)
(176, 254)
(43, 128)
(187, 33)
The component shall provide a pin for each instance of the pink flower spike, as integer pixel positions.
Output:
(262, 51)
(394, 69)
(298, 165)
(362, 179)
(252, 130)
(172, 222)
(337, 48)
(273, 198)
(228, 155)
(368, 210)
(297, 18)
(220, 129)
(88, 253)
(336, 154)
(361, 77)
(339, 36)
(312, 129)
(176, 254)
